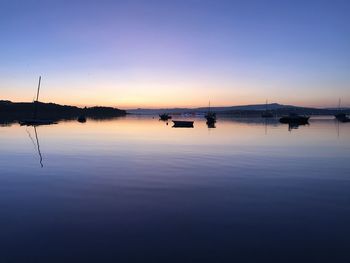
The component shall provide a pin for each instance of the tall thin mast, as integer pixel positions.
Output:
(37, 95)
(37, 100)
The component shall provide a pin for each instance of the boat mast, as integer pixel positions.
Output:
(266, 105)
(37, 100)
(339, 104)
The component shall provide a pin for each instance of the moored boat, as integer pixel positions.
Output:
(183, 124)
(266, 113)
(35, 121)
(164, 117)
(82, 119)
(210, 116)
(342, 117)
(294, 118)
(211, 125)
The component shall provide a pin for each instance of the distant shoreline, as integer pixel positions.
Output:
(16, 111)
(245, 110)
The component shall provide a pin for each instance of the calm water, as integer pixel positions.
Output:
(136, 190)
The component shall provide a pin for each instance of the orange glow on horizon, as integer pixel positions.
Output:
(178, 104)
(160, 96)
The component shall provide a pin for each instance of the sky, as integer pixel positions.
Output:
(176, 53)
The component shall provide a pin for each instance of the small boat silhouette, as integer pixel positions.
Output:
(211, 125)
(266, 113)
(35, 122)
(341, 116)
(183, 124)
(210, 116)
(164, 117)
(294, 118)
(82, 119)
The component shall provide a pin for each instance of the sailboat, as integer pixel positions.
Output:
(210, 116)
(35, 121)
(266, 113)
(295, 119)
(341, 116)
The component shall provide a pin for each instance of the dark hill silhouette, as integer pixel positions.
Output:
(244, 110)
(11, 111)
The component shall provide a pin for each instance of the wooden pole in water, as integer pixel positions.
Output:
(37, 100)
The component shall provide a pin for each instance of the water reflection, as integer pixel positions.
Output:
(36, 144)
(141, 131)
(134, 190)
(294, 126)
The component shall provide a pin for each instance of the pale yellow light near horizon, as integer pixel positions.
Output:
(162, 94)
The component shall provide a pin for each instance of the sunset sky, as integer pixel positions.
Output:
(179, 53)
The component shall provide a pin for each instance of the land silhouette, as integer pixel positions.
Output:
(254, 110)
(16, 111)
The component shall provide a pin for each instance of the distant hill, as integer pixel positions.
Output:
(11, 111)
(256, 107)
(246, 110)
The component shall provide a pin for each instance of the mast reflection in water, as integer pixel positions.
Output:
(134, 189)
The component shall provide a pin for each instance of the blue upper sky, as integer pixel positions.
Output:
(176, 53)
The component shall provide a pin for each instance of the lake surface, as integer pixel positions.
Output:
(137, 190)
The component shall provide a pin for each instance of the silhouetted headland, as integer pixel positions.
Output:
(12, 112)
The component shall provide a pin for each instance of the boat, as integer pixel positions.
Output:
(341, 116)
(210, 116)
(35, 121)
(183, 124)
(211, 125)
(164, 117)
(82, 119)
(266, 113)
(294, 118)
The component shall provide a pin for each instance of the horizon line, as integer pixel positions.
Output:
(176, 107)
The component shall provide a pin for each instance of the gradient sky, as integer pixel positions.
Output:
(162, 53)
